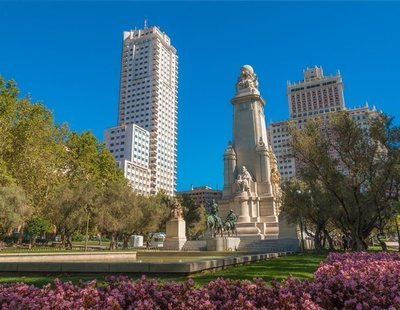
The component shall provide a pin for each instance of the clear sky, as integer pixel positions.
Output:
(67, 55)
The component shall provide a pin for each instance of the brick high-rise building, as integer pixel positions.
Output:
(202, 195)
(315, 95)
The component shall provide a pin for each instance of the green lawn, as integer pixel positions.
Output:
(301, 266)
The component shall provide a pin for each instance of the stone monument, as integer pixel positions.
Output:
(251, 177)
(176, 226)
(215, 238)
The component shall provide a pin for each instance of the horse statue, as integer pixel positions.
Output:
(215, 225)
(214, 222)
(230, 223)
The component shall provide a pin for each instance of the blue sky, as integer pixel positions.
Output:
(67, 55)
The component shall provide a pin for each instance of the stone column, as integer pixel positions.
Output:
(242, 200)
(263, 169)
(229, 170)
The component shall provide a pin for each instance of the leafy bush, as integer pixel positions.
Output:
(343, 281)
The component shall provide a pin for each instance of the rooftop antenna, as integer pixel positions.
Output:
(145, 22)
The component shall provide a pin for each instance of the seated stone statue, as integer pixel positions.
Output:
(176, 209)
(243, 181)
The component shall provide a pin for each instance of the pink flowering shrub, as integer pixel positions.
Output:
(343, 281)
(357, 281)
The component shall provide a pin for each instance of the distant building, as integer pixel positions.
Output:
(130, 146)
(279, 139)
(202, 194)
(148, 99)
(315, 95)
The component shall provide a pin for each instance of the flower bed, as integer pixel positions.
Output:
(343, 281)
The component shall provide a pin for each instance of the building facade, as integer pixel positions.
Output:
(149, 99)
(315, 95)
(130, 146)
(202, 195)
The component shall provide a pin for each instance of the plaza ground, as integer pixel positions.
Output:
(301, 266)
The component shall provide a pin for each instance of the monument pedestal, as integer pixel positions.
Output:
(223, 244)
(176, 235)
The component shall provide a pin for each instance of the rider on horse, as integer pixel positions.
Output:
(214, 222)
(230, 222)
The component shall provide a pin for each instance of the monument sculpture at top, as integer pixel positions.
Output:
(251, 177)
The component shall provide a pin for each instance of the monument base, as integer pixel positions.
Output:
(174, 244)
(249, 230)
(223, 244)
(176, 234)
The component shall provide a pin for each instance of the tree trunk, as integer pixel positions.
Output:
(323, 241)
(21, 235)
(317, 240)
(302, 235)
(357, 242)
(63, 241)
(112, 243)
(125, 239)
(398, 232)
(68, 242)
(382, 243)
(331, 246)
(87, 233)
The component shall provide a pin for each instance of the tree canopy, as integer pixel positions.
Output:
(357, 167)
(52, 175)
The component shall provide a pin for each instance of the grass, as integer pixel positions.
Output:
(301, 266)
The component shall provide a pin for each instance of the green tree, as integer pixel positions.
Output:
(31, 147)
(36, 227)
(308, 205)
(87, 159)
(89, 169)
(14, 209)
(194, 215)
(73, 207)
(154, 216)
(354, 165)
(119, 213)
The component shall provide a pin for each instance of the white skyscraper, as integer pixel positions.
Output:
(148, 98)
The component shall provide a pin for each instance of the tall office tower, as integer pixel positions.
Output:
(149, 99)
(316, 95)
